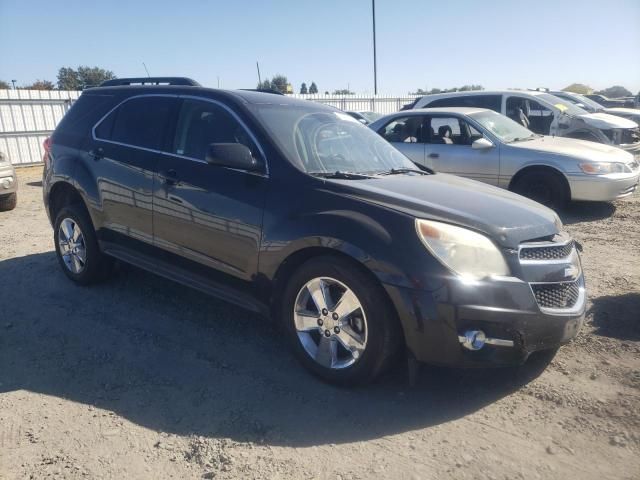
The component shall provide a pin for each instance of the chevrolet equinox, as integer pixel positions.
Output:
(297, 211)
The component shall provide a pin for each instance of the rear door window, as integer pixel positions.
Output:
(140, 122)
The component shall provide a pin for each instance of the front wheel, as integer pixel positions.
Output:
(544, 187)
(339, 321)
(8, 202)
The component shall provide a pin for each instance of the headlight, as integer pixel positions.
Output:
(601, 168)
(465, 252)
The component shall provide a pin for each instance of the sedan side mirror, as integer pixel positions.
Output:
(232, 155)
(481, 144)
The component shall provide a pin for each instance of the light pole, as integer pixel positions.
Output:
(375, 69)
(14, 83)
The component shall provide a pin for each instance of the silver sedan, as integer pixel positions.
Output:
(483, 145)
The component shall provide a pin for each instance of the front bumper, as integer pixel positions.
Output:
(8, 180)
(505, 308)
(603, 188)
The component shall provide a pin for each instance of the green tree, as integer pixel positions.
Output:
(344, 91)
(279, 82)
(93, 76)
(303, 88)
(616, 91)
(264, 85)
(313, 88)
(41, 85)
(580, 88)
(70, 79)
(4, 85)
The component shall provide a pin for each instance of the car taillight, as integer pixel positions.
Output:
(47, 148)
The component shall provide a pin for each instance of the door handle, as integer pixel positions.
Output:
(433, 155)
(169, 177)
(97, 154)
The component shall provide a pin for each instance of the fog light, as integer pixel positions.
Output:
(6, 182)
(473, 339)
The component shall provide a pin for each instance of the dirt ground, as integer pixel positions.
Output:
(142, 378)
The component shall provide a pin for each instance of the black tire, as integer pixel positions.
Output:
(8, 202)
(97, 266)
(383, 328)
(546, 188)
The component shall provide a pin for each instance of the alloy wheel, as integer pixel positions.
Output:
(72, 246)
(330, 322)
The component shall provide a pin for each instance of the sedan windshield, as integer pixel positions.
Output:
(502, 127)
(322, 140)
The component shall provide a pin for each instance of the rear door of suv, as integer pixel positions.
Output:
(124, 150)
(209, 214)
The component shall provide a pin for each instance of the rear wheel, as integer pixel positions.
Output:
(339, 321)
(546, 188)
(8, 202)
(77, 247)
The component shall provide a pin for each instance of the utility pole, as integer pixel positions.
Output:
(259, 79)
(14, 83)
(375, 66)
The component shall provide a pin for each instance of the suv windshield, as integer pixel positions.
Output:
(321, 140)
(561, 104)
(502, 127)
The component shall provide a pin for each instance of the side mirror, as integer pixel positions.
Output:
(481, 144)
(232, 155)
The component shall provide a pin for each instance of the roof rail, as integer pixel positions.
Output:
(151, 81)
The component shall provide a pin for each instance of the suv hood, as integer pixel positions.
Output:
(604, 121)
(505, 217)
(578, 149)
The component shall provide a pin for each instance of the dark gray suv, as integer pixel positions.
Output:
(299, 212)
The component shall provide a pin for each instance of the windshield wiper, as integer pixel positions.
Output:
(523, 139)
(341, 175)
(399, 171)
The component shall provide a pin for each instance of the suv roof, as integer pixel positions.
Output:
(142, 85)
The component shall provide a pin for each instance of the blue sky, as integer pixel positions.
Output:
(426, 44)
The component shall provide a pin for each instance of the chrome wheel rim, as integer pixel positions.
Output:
(72, 247)
(330, 322)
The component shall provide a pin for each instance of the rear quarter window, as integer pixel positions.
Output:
(76, 124)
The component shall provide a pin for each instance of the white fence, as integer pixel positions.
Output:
(370, 103)
(27, 117)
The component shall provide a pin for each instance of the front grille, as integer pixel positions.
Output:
(551, 252)
(556, 295)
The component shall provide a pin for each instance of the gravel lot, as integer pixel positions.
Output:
(142, 378)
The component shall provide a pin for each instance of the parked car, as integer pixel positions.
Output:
(297, 211)
(590, 106)
(610, 102)
(483, 145)
(364, 117)
(8, 184)
(546, 114)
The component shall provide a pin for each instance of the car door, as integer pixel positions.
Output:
(449, 149)
(124, 152)
(209, 214)
(406, 134)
